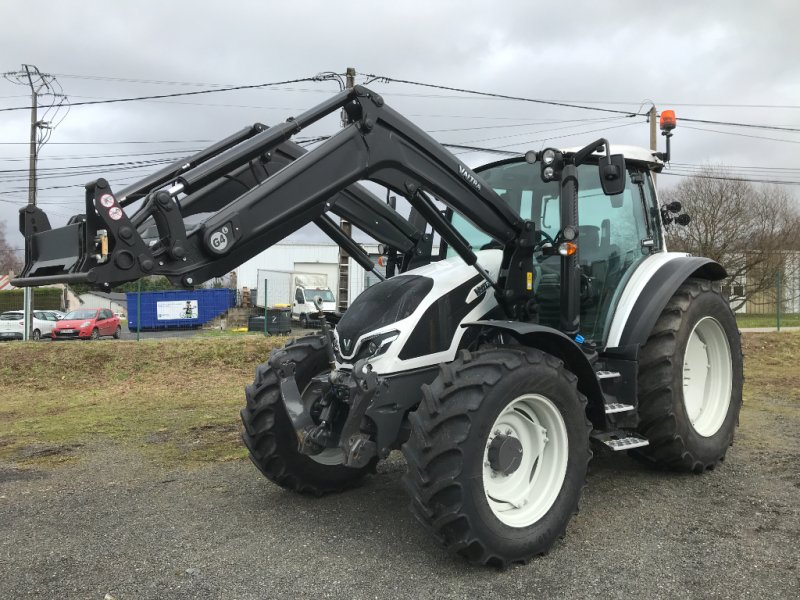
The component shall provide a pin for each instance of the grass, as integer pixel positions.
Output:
(768, 320)
(178, 400)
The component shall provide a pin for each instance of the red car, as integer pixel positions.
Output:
(87, 324)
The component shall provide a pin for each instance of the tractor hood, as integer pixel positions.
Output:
(404, 320)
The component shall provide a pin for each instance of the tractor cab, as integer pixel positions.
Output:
(614, 233)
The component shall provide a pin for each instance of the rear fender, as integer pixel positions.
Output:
(633, 321)
(554, 342)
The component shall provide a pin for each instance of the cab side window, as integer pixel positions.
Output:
(298, 296)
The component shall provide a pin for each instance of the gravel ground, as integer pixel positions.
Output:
(115, 524)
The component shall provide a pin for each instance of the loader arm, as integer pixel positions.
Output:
(378, 145)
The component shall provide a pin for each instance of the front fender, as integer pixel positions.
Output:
(556, 343)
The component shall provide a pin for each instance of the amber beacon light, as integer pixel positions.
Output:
(667, 120)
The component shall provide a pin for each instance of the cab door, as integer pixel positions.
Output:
(299, 304)
(615, 235)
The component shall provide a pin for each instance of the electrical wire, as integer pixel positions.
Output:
(174, 95)
(386, 79)
(742, 179)
(746, 135)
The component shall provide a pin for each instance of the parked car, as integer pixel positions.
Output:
(87, 324)
(12, 324)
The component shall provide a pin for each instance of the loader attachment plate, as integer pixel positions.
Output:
(99, 247)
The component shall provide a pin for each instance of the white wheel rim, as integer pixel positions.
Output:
(707, 377)
(524, 496)
(329, 456)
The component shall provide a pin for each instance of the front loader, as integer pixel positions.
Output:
(552, 318)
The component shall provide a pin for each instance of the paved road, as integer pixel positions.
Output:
(116, 524)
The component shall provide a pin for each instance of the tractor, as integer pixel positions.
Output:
(530, 310)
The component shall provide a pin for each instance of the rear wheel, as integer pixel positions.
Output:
(270, 436)
(498, 454)
(36, 335)
(690, 380)
(118, 332)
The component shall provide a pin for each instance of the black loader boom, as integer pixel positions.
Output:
(256, 187)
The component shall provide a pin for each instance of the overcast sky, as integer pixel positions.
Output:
(734, 61)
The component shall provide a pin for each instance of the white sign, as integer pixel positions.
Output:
(176, 309)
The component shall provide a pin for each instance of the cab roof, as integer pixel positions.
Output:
(632, 153)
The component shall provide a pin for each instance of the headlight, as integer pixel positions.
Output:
(85, 324)
(376, 345)
(549, 156)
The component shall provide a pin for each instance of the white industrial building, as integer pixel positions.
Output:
(307, 258)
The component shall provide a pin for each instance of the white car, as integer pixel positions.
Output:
(12, 324)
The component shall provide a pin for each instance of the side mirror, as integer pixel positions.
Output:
(612, 174)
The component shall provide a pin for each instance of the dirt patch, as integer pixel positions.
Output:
(9, 474)
(46, 450)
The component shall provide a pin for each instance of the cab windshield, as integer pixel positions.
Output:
(610, 234)
(326, 295)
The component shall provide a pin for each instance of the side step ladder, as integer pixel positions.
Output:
(611, 406)
(620, 440)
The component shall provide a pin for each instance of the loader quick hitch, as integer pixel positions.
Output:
(97, 247)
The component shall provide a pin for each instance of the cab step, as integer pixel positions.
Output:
(618, 407)
(620, 440)
(606, 374)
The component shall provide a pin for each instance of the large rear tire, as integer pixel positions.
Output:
(270, 436)
(498, 454)
(690, 380)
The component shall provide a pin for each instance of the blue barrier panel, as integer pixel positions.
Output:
(179, 309)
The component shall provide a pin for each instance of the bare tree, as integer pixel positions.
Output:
(753, 231)
(9, 259)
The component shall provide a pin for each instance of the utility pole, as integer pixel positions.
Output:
(40, 84)
(651, 116)
(343, 298)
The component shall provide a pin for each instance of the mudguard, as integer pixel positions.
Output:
(559, 345)
(653, 294)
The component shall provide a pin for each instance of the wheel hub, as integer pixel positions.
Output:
(505, 454)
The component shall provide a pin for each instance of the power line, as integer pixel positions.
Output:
(175, 95)
(757, 137)
(606, 102)
(742, 179)
(570, 104)
(82, 156)
(98, 143)
(385, 79)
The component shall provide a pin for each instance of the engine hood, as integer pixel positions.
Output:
(417, 312)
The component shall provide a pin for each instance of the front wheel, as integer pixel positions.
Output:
(270, 436)
(690, 380)
(498, 454)
(95, 335)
